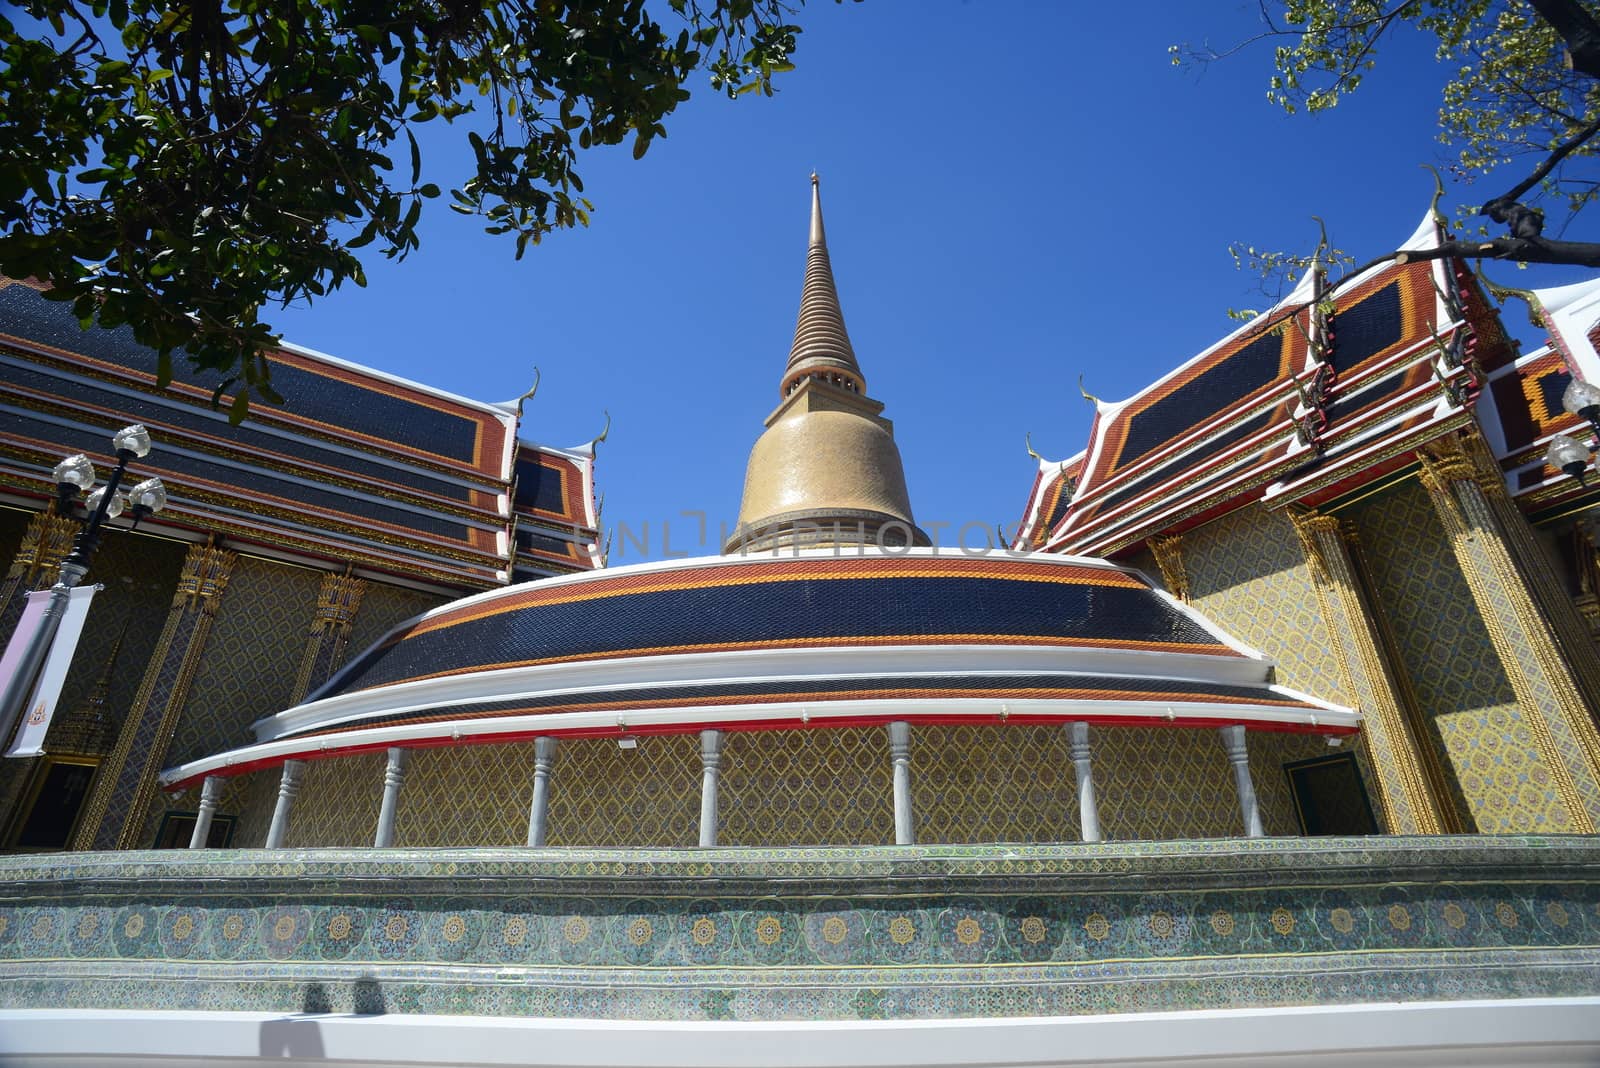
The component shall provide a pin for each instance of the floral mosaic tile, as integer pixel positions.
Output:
(776, 934)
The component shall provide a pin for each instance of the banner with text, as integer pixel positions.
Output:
(42, 705)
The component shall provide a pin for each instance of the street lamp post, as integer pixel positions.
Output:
(74, 475)
(1566, 453)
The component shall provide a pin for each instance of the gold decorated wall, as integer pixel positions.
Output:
(247, 671)
(1248, 575)
(604, 795)
(382, 607)
(338, 802)
(991, 784)
(1492, 765)
(810, 787)
(970, 784)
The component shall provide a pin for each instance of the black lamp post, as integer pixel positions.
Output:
(1566, 453)
(74, 475)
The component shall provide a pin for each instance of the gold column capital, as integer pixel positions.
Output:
(337, 602)
(46, 542)
(206, 570)
(1168, 551)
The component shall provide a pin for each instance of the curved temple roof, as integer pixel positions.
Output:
(808, 639)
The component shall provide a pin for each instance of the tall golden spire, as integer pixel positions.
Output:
(821, 344)
(827, 470)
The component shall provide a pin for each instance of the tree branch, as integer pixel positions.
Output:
(1557, 154)
(1515, 249)
(1577, 28)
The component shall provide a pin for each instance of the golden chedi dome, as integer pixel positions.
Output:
(827, 470)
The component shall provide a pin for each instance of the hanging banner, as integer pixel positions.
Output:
(42, 705)
(27, 626)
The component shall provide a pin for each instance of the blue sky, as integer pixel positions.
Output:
(1015, 193)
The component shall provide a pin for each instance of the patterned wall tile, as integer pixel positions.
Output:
(246, 672)
(1162, 784)
(248, 667)
(256, 792)
(473, 795)
(338, 802)
(1248, 574)
(808, 787)
(1490, 757)
(970, 784)
(382, 607)
(993, 784)
(865, 933)
(139, 575)
(604, 795)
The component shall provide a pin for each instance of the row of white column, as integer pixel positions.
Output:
(544, 756)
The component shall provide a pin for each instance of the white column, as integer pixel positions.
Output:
(544, 758)
(1239, 757)
(710, 769)
(394, 777)
(1088, 808)
(210, 794)
(900, 753)
(288, 787)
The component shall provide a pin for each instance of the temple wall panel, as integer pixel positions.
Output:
(604, 795)
(474, 795)
(809, 787)
(338, 801)
(1158, 783)
(382, 607)
(993, 784)
(125, 619)
(970, 784)
(246, 672)
(1248, 575)
(250, 659)
(1492, 765)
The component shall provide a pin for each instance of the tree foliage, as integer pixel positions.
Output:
(183, 167)
(1520, 101)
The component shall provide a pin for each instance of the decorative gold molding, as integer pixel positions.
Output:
(46, 542)
(1409, 805)
(1430, 758)
(1168, 551)
(162, 693)
(331, 622)
(206, 570)
(1487, 561)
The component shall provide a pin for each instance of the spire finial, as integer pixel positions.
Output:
(820, 343)
(818, 238)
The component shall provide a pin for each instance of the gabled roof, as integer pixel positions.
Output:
(1522, 408)
(357, 466)
(1048, 501)
(1288, 404)
(557, 522)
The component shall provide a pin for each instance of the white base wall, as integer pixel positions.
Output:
(1467, 1034)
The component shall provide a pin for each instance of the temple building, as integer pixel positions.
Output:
(290, 538)
(1276, 726)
